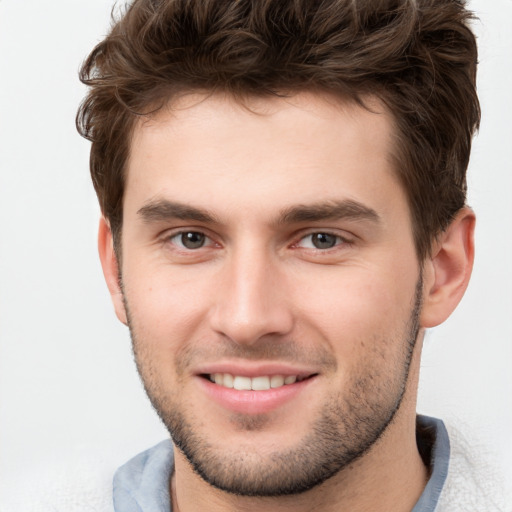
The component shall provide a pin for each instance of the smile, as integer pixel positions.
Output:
(254, 391)
(259, 383)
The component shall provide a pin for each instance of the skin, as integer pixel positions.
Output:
(262, 181)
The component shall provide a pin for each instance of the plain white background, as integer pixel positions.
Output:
(67, 379)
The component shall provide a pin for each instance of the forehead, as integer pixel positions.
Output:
(304, 113)
(215, 149)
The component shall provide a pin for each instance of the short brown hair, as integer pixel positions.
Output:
(417, 56)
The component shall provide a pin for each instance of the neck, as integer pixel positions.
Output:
(390, 477)
(384, 479)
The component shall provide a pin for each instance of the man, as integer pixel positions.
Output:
(283, 195)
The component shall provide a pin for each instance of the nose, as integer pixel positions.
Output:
(251, 302)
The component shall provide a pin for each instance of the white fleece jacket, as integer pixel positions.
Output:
(472, 484)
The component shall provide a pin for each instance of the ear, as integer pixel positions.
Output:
(110, 267)
(447, 271)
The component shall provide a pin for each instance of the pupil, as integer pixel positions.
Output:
(324, 240)
(192, 240)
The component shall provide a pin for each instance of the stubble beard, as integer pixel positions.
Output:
(350, 424)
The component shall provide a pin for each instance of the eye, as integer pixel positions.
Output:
(190, 240)
(320, 241)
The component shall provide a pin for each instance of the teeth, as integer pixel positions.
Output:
(242, 383)
(276, 381)
(228, 380)
(261, 383)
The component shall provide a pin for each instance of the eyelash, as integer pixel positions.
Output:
(208, 241)
(338, 241)
(189, 232)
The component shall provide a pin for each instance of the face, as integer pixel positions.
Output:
(271, 285)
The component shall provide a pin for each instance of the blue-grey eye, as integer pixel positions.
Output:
(320, 240)
(191, 239)
(324, 240)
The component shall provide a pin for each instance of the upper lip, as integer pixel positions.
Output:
(250, 369)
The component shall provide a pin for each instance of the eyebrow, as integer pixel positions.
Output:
(330, 210)
(163, 209)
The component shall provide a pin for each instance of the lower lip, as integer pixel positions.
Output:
(253, 402)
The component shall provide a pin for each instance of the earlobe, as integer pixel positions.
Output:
(110, 266)
(448, 270)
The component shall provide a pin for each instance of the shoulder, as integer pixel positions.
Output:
(472, 484)
(78, 482)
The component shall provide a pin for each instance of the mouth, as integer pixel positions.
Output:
(256, 387)
(257, 383)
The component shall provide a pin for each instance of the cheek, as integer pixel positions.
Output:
(363, 294)
(359, 307)
(165, 306)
